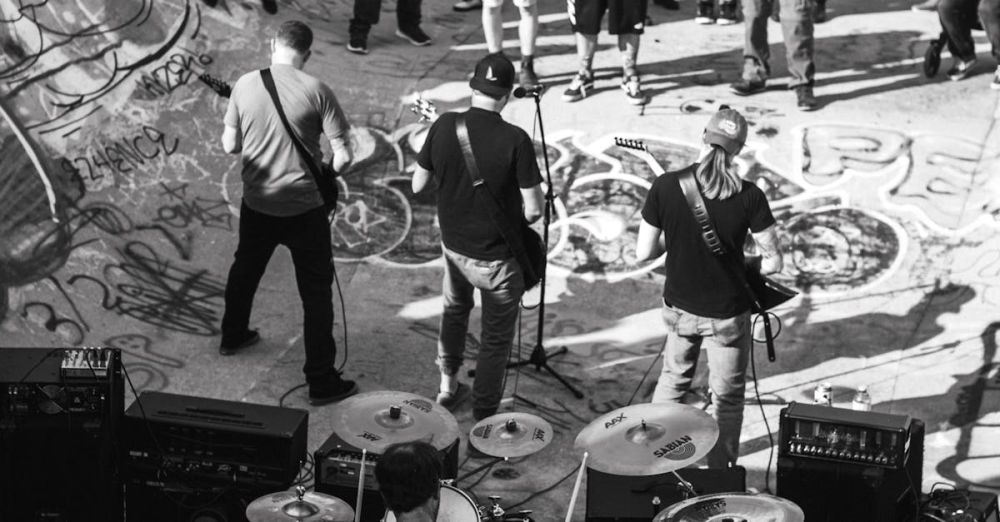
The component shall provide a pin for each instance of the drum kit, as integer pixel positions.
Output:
(637, 440)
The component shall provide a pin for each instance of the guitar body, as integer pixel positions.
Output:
(769, 293)
(533, 266)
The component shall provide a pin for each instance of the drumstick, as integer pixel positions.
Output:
(361, 487)
(576, 488)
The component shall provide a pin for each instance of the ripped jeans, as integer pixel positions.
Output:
(727, 343)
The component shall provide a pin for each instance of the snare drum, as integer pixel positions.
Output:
(455, 506)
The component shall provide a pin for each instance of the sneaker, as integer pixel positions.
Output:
(358, 44)
(467, 5)
(927, 5)
(819, 11)
(633, 91)
(706, 14)
(577, 90)
(744, 87)
(331, 388)
(249, 338)
(960, 69)
(995, 84)
(668, 4)
(452, 400)
(414, 35)
(805, 99)
(527, 77)
(727, 14)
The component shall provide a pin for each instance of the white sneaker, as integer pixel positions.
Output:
(995, 84)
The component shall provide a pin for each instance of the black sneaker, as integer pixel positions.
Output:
(527, 77)
(358, 44)
(806, 100)
(415, 35)
(744, 87)
(331, 388)
(706, 14)
(727, 14)
(249, 338)
(668, 4)
(819, 11)
(577, 90)
(467, 5)
(960, 69)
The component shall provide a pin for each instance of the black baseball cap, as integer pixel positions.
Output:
(494, 75)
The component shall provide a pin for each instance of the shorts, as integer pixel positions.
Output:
(624, 16)
(518, 3)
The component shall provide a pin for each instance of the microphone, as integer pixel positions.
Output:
(523, 92)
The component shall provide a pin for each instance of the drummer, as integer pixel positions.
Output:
(409, 479)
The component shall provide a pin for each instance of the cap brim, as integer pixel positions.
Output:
(488, 88)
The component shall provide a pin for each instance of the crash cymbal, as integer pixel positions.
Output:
(746, 507)
(510, 435)
(301, 506)
(375, 420)
(648, 439)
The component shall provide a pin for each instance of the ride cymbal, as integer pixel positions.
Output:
(648, 439)
(376, 420)
(745, 507)
(300, 506)
(511, 435)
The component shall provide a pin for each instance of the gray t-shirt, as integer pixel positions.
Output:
(276, 179)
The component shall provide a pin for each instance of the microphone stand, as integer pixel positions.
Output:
(539, 358)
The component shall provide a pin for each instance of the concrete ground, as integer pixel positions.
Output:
(119, 213)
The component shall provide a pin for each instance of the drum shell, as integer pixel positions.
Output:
(454, 506)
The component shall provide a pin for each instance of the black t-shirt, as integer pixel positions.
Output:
(506, 160)
(696, 281)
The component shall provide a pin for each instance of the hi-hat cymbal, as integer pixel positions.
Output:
(310, 507)
(648, 439)
(511, 435)
(746, 507)
(376, 420)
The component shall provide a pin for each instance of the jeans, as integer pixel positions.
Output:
(797, 26)
(727, 342)
(500, 284)
(958, 18)
(366, 14)
(307, 236)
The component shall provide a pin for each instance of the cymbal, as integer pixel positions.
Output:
(376, 420)
(511, 435)
(747, 507)
(648, 439)
(310, 507)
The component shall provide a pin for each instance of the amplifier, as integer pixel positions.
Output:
(338, 464)
(212, 441)
(60, 431)
(840, 435)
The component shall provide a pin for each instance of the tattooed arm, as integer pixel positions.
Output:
(769, 248)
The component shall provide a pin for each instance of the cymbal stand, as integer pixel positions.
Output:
(497, 514)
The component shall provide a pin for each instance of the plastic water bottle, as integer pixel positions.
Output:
(862, 400)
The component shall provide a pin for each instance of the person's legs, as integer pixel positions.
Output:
(366, 14)
(957, 18)
(457, 292)
(493, 25)
(308, 238)
(258, 237)
(728, 349)
(408, 13)
(680, 355)
(989, 13)
(501, 295)
(797, 29)
(756, 51)
(527, 30)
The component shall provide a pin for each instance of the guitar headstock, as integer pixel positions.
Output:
(219, 86)
(424, 108)
(628, 143)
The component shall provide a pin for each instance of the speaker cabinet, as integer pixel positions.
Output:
(839, 491)
(617, 498)
(182, 503)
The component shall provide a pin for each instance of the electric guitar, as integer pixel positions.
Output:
(219, 86)
(425, 109)
(640, 147)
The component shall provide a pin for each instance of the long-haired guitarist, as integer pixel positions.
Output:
(703, 305)
(477, 219)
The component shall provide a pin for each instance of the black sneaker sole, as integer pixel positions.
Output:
(357, 50)
(418, 43)
(319, 401)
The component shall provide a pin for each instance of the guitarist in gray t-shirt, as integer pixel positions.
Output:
(282, 203)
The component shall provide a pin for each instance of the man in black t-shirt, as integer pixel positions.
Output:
(703, 306)
(475, 253)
